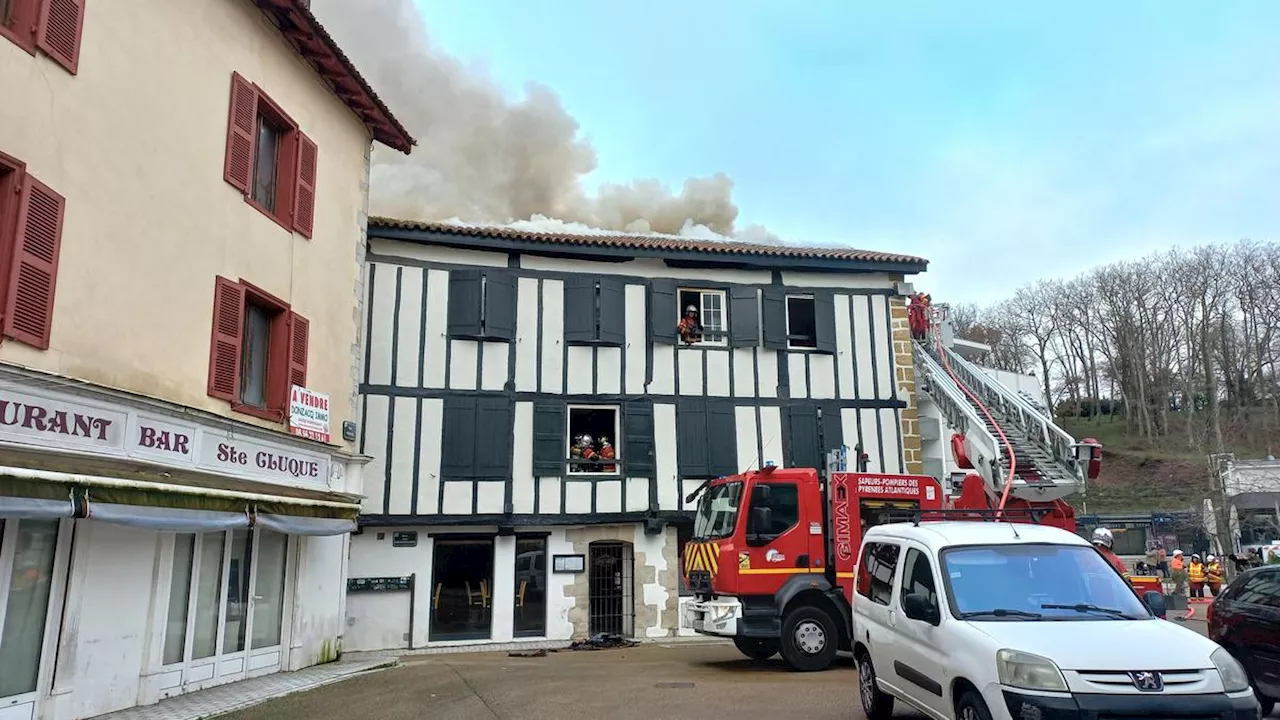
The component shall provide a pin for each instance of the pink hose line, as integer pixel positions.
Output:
(1013, 460)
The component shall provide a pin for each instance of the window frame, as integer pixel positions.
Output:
(268, 111)
(703, 292)
(12, 171)
(617, 441)
(276, 406)
(18, 10)
(791, 337)
(862, 572)
(906, 563)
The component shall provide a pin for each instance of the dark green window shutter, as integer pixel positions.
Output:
(458, 443)
(579, 310)
(464, 303)
(693, 448)
(664, 312)
(637, 439)
(824, 321)
(744, 317)
(493, 433)
(775, 318)
(802, 435)
(832, 430)
(550, 444)
(500, 306)
(722, 433)
(613, 312)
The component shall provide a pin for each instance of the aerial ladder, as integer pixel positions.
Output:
(1019, 462)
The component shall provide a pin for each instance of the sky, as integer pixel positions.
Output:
(1003, 140)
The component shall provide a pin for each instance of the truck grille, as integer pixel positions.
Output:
(700, 582)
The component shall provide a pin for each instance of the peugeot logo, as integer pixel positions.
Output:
(1147, 681)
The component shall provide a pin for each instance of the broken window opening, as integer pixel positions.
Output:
(593, 432)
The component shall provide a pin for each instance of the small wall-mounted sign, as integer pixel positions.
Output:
(348, 431)
(404, 538)
(379, 584)
(568, 563)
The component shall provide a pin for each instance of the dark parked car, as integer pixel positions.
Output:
(1245, 619)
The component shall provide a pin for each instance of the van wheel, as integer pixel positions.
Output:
(972, 707)
(876, 705)
(809, 639)
(755, 648)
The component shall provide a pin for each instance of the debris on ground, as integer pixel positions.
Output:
(603, 641)
(527, 653)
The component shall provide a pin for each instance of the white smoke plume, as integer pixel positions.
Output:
(482, 158)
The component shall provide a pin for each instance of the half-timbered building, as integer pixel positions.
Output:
(538, 416)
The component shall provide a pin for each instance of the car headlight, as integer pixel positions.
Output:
(1029, 672)
(1234, 678)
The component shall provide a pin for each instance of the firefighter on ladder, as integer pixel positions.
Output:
(918, 316)
(1103, 540)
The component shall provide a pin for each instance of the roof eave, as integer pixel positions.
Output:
(308, 38)
(674, 258)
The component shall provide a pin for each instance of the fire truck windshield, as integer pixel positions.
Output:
(718, 512)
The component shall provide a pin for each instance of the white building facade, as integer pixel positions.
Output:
(180, 304)
(491, 353)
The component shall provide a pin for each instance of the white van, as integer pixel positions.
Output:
(983, 620)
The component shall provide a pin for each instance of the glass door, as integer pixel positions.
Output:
(28, 549)
(226, 606)
(461, 589)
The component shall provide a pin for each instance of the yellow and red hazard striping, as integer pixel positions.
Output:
(701, 556)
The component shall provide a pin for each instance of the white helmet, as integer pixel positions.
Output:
(1210, 558)
(1177, 553)
(1103, 537)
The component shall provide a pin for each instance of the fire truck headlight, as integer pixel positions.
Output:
(1029, 672)
(1234, 679)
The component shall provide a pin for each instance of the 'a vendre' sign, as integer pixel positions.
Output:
(308, 413)
(61, 421)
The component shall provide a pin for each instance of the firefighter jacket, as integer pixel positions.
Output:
(1195, 572)
(1214, 571)
(1176, 565)
(1115, 561)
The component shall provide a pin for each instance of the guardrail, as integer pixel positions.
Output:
(962, 416)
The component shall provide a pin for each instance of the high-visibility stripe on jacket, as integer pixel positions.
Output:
(1195, 572)
(1214, 571)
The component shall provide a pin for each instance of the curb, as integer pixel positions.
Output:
(302, 688)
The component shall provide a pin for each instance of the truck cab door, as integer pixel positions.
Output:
(778, 541)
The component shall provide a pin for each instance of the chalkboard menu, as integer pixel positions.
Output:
(379, 584)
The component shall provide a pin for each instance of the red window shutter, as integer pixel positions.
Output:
(228, 335)
(61, 25)
(33, 276)
(242, 125)
(304, 209)
(299, 337)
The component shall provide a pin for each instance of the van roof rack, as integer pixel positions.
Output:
(916, 516)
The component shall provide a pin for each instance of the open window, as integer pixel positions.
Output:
(31, 216)
(593, 432)
(258, 350)
(53, 26)
(703, 319)
(801, 323)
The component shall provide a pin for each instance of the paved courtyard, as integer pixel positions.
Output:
(676, 680)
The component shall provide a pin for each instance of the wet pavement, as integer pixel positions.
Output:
(702, 681)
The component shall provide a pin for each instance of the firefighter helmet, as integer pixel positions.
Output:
(1210, 558)
(1103, 537)
(691, 309)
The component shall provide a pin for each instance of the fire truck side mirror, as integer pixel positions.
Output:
(760, 526)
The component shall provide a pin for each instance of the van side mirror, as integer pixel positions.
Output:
(759, 526)
(918, 606)
(1155, 603)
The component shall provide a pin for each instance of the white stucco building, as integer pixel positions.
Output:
(491, 352)
(183, 188)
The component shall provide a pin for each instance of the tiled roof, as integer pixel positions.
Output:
(668, 243)
(310, 40)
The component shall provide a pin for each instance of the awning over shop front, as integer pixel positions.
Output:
(178, 506)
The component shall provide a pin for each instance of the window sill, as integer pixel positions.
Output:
(260, 413)
(593, 475)
(13, 37)
(260, 208)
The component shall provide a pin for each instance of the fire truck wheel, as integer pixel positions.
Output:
(809, 639)
(757, 649)
(876, 704)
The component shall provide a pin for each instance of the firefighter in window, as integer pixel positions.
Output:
(583, 449)
(689, 328)
(607, 453)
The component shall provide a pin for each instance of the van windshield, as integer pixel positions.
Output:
(1036, 582)
(718, 512)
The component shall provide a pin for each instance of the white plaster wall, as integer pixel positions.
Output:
(655, 593)
(559, 601)
(318, 599)
(102, 648)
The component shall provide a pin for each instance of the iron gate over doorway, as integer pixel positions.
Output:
(610, 604)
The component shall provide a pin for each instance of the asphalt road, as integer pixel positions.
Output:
(678, 680)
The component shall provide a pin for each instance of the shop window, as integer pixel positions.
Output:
(461, 589)
(531, 587)
(592, 434)
(801, 323)
(875, 572)
(702, 318)
(27, 552)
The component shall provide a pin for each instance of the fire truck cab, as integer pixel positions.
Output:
(773, 556)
